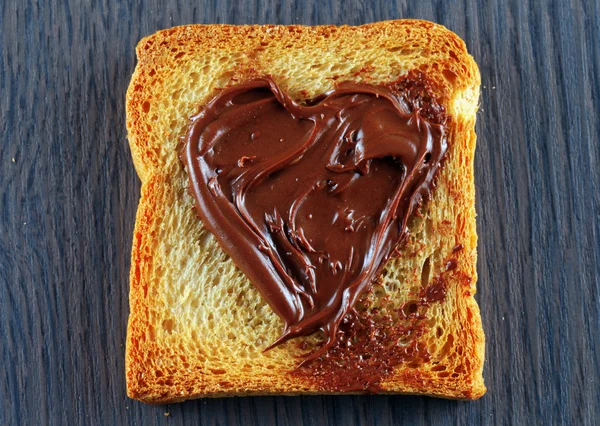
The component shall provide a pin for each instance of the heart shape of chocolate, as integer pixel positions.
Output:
(310, 199)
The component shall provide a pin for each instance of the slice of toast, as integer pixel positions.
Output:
(197, 326)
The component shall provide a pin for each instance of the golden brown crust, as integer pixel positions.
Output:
(176, 348)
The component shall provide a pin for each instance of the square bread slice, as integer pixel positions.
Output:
(197, 326)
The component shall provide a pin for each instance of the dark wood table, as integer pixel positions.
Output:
(69, 195)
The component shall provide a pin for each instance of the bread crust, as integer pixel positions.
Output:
(178, 272)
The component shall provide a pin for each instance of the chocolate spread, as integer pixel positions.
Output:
(310, 198)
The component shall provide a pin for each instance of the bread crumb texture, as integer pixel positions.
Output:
(197, 326)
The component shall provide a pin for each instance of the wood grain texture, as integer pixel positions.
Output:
(68, 201)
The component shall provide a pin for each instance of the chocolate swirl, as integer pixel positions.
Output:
(310, 199)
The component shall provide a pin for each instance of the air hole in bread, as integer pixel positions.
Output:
(447, 346)
(146, 106)
(150, 333)
(204, 239)
(428, 227)
(439, 332)
(378, 292)
(459, 369)
(450, 76)
(225, 79)
(168, 325)
(217, 370)
(438, 368)
(239, 301)
(460, 223)
(361, 306)
(426, 272)
(410, 308)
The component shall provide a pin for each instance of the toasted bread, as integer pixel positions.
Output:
(197, 326)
